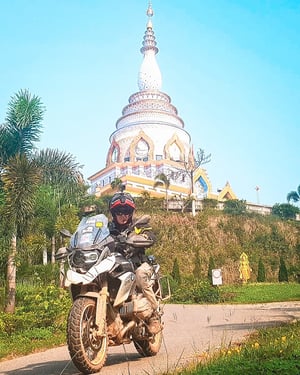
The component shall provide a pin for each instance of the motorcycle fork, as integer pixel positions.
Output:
(101, 307)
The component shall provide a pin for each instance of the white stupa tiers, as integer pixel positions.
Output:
(150, 138)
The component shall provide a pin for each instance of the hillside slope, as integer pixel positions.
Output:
(225, 237)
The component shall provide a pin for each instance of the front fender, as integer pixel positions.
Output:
(85, 278)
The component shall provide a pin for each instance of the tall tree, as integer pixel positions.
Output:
(23, 170)
(20, 179)
(190, 167)
(19, 175)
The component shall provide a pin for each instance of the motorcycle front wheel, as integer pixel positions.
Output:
(88, 351)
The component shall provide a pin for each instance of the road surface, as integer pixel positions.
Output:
(189, 331)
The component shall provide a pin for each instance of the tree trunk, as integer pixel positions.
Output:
(11, 277)
(62, 274)
(45, 257)
(53, 249)
(167, 200)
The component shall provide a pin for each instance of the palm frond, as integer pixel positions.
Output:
(293, 196)
(58, 167)
(162, 179)
(21, 179)
(158, 183)
(62, 172)
(23, 121)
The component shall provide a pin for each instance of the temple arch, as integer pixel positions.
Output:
(174, 149)
(113, 155)
(141, 148)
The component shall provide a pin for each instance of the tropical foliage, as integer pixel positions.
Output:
(235, 207)
(294, 196)
(285, 210)
(162, 180)
(31, 180)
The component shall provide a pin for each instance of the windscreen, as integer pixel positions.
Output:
(91, 230)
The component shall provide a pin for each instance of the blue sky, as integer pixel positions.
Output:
(231, 67)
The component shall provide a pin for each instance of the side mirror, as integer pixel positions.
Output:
(65, 233)
(143, 220)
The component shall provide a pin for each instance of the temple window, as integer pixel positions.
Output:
(174, 152)
(142, 159)
(141, 150)
(158, 157)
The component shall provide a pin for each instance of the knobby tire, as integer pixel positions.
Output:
(87, 350)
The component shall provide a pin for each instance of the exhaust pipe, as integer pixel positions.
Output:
(124, 330)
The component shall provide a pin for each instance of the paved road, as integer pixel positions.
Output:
(189, 330)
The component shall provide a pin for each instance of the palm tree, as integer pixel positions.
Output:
(294, 195)
(23, 170)
(116, 184)
(20, 180)
(162, 180)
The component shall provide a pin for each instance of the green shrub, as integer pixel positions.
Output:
(38, 274)
(211, 266)
(193, 290)
(197, 266)
(175, 272)
(37, 308)
(235, 207)
(283, 273)
(285, 210)
(261, 272)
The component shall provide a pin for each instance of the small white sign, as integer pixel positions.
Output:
(217, 276)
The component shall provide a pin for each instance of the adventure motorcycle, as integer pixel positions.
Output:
(108, 309)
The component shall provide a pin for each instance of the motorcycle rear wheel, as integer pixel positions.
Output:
(148, 348)
(87, 350)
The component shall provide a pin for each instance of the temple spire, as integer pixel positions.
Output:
(149, 74)
(149, 14)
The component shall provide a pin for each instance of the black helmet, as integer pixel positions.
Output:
(122, 203)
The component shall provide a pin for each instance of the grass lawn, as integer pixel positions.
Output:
(260, 292)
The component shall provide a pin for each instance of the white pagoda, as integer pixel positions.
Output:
(150, 139)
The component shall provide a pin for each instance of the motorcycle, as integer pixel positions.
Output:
(108, 309)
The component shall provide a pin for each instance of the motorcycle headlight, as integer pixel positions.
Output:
(84, 259)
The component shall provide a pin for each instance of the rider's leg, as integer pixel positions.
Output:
(143, 275)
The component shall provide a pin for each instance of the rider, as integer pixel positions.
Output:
(122, 207)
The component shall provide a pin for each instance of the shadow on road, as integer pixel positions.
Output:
(247, 326)
(67, 367)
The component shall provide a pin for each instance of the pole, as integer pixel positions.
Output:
(257, 194)
(192, 194)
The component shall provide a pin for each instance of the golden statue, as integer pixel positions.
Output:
(244, 268)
